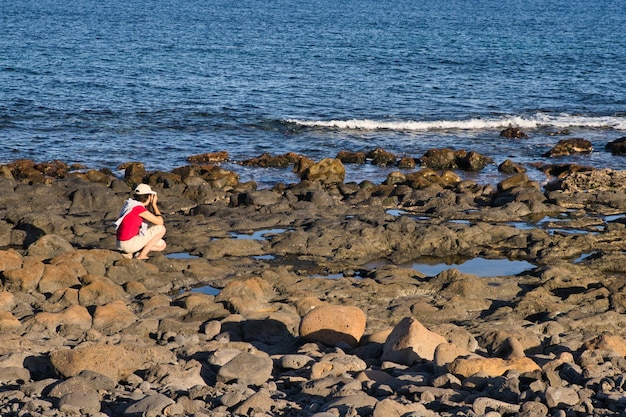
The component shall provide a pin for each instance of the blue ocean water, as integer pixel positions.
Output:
(101, 83)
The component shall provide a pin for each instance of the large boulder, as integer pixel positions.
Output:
(617, 147)
(410, 341)
(114, 361)
(327, 171)
(334, 325)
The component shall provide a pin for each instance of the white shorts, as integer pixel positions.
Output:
(138, 242)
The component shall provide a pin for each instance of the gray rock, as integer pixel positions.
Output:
(482, 405)
(246, 368)
(561, 397)
(362, 403)
(295, 361)
(85, 402)
(9, 374)
(150, 406)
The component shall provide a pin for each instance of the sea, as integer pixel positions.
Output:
(100, 83)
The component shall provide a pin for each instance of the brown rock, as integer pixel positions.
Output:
(334, 325)
(510, 167)
(381, 157)
(50, 246)
(306, 304)
(491, 367)
(513, 132)
(8, 322)
(566, 147)
(246, 295)
(410, 341)
(327, 171)
(220, 156)
(60, 276)
(349, 157)
(113, 317)
(439, 159)
(7, 301)
(99, 290)
(10, 259)
(617, 146)
(76, 316)
(24, 279)
(517, 180)
(114, 361)
(612, 343)
(446, 353)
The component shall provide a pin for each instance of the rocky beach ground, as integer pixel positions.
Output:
(301, 300)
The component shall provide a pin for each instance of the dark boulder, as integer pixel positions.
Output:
(381, 157)
(572, 146)
(510, 167)
(349, 157)
(513, 133)
(617, 147)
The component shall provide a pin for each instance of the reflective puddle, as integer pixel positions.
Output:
(259, 234)
(478, 266)
(207, 289)
(264, 257)
(181, 255)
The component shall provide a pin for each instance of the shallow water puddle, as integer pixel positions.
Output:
(181, 255)
(395, 212)
(477, 266)
(259, 234)
(330, 276)
(207, 289)
(264, 257)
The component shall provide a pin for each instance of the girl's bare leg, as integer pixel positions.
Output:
(156, 244)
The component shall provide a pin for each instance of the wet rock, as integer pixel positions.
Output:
(617, 146)
(210, 157)
(334, 325)
(439, 159)
(510, 167)
(269, 161)
(406, 163)
(349, 157)
(513, 133)
(410, 342)
(381, 157)
(327, 171)
(473, 161)
(572, 146)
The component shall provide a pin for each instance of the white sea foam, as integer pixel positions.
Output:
(561, 121)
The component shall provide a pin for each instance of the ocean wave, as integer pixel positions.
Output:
(539, 120)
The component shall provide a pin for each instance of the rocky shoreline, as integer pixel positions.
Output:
(316, 308)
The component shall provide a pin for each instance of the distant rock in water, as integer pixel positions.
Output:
(220, 156)
(572, 146)
(513, 133)
(510, 167)
(617, 147)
